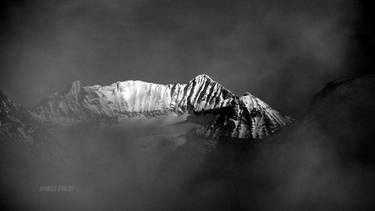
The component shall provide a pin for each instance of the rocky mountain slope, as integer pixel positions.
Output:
(245, 117)
(131, 98)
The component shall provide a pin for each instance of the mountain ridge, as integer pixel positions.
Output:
(133, 98)
(17, 124)
(245, 117)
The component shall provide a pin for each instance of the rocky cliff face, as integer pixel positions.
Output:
(248, 117)
(245, 117)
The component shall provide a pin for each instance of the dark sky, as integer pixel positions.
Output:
(281, 51)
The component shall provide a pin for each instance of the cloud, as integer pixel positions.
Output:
(266, 47)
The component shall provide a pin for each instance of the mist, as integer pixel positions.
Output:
(321, 162)
(282, 52)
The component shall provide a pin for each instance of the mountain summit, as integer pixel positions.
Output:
(245, 117)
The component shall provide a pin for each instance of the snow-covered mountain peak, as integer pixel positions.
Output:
(127, 99)
(246, 93)
(75, 89)
(203, 77)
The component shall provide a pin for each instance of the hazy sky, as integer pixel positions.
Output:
(281, 51)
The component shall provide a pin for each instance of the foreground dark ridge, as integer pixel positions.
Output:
(245, 117)
(17, 124)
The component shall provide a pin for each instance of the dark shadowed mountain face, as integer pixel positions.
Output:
(325, 160)
(163, 161)
(17, 125)
(350, 107)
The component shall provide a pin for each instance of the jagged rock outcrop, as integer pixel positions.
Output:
(245, 117)
(248, 117)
